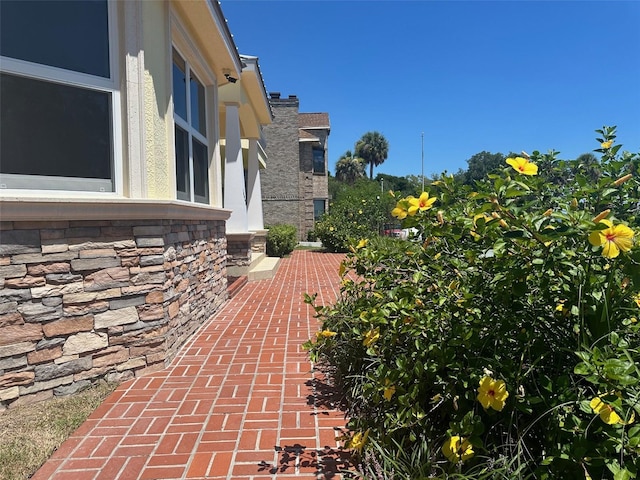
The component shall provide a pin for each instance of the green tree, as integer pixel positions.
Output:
(373, 148)
(589, 166)
(349, 168)
(402, 186)
(479, 165)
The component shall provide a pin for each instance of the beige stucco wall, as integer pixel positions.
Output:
(158, 133)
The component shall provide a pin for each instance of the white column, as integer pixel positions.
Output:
(254, 190)
(234, 191)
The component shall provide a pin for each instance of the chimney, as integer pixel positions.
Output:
(274, 95)
(293, 97)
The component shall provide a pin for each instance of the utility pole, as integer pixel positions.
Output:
(423, 161)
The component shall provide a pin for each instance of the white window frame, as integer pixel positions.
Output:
(186, 48)
(76, 79)
(192, 132)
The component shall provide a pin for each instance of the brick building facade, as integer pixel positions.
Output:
(295, 186)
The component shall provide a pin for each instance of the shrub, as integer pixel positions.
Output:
(357, 213)
(312, 236)
(506, 343)
(281, 240)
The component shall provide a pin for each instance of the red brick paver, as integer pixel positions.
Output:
(239, 402)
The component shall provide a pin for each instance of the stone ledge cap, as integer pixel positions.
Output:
(17, 209)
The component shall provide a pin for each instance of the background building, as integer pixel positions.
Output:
(295, 186)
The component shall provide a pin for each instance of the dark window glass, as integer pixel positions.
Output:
(182, 164)
(200, 172)
(179, 86)
(318, 209)
(69, 34)
(54, 130)
(198, 120)
(318, 160)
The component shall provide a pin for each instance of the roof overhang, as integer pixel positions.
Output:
(253, 84)
(209, 28)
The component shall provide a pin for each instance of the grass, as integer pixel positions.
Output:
(31, 433)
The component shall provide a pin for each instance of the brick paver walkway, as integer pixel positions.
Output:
(239, 401)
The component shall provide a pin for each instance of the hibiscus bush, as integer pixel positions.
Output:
(503, 342)
(356, 213)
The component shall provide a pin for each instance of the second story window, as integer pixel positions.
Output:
(189, 113)
(318, 161)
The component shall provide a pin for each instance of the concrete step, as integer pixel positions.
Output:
(264, 268)
(256, 258)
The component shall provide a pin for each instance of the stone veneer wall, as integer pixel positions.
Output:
(84, 300)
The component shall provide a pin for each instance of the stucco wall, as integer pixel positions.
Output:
(158, 124)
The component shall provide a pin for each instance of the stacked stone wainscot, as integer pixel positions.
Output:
(82, 300)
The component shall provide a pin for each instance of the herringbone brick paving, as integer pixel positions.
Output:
(240, 401)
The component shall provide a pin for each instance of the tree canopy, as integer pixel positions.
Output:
(373, 148)
(479, 165)
(349, 168)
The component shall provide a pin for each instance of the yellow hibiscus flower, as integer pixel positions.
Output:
(457, 449)
(420, 204)
(492, 393)
(326, 334)
(606, 144)
(402, 209)
(523, 165)
(362, 243)
(371, 337)
(358, 440)
(607, 414)
(613, 240)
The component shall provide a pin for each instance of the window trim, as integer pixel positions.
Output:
(313, 161)
(62, 76)
(192, 131)
(324, 208)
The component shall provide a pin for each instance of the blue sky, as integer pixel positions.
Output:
(499, 76)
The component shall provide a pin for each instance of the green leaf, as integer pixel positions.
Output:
(515, 234)
(622, 474)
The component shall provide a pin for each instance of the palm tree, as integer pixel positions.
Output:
(349, 168)
(373, 148)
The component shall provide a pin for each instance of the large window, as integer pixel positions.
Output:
(58, 95)
(192, 158)
(318, 161)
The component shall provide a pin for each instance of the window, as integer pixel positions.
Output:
(58, 95)
(318, 161)
(318, 208)
(192, 158)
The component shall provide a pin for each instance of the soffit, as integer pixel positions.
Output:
(207, 26)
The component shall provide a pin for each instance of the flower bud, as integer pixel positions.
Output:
(525, 154)
(602, 215)
(548, 212)
(621, 180)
